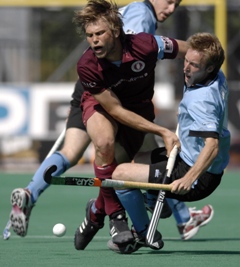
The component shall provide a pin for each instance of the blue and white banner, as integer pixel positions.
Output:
(37, 110)
(40, 110)
(14, 110)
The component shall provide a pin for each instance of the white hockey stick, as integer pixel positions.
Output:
(56, 145)
(160, 199)
(6, 231)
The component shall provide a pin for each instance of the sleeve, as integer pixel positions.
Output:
(167, 47)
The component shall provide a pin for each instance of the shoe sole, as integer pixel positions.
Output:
(191, 233)
(127, 249)
(209, 219)
(18, 198)
(18, 222)
(17, 217)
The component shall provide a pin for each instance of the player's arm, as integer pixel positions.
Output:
(182, 48)
(110, 102)
(169, 48)
(207, 155)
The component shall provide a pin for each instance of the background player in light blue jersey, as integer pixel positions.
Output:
(203, 132)
(144, 17)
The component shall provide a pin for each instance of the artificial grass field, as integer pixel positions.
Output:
(217, 244)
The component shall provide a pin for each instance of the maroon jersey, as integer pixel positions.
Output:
(133, 80)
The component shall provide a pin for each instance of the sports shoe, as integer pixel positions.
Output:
(21, 210)
(127, 248)
(157, 241)
(137, 243)
(198, 218)
(166, 210)
(87, 230)
(119, 229)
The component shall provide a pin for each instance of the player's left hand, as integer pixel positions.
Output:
(181, 186)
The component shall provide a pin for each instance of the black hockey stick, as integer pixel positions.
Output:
(96, 182)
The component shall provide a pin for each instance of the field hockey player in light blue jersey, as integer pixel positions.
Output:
(203, 132)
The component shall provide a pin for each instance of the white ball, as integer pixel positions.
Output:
(59, 229)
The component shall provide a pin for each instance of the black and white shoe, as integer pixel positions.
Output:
(87, 230)
(136, 244)
(119, 229)
(127, 248)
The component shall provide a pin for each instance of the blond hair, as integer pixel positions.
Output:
(99, 9)
(210, 46)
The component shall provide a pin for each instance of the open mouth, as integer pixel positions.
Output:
(187, 78)
(98, 49)
(165, 16)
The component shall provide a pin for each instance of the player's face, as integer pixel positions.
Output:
(102, 40)
(164, 8)
(195, 69)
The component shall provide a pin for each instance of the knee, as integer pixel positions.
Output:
(118, 173)
(104, 143)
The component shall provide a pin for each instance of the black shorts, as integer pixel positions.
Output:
(206, 184)
(75, 118)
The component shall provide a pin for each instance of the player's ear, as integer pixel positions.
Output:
(116, 33)
(210, 68)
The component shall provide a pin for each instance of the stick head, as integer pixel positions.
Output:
(48, 173)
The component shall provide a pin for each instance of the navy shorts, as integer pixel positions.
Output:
(75, 119)
(206, 184)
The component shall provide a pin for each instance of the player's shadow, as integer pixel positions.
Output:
(195, 252)
(196, 240)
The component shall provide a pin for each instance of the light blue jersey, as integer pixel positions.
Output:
(204, 109)
(134, 22)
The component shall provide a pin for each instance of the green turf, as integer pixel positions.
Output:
(217, 244)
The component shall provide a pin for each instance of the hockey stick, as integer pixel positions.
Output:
(160, 200)
(56, 145)
(96, 182)
(6, 231)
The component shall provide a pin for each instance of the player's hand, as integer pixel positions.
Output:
(181, 186)
(170, 139)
